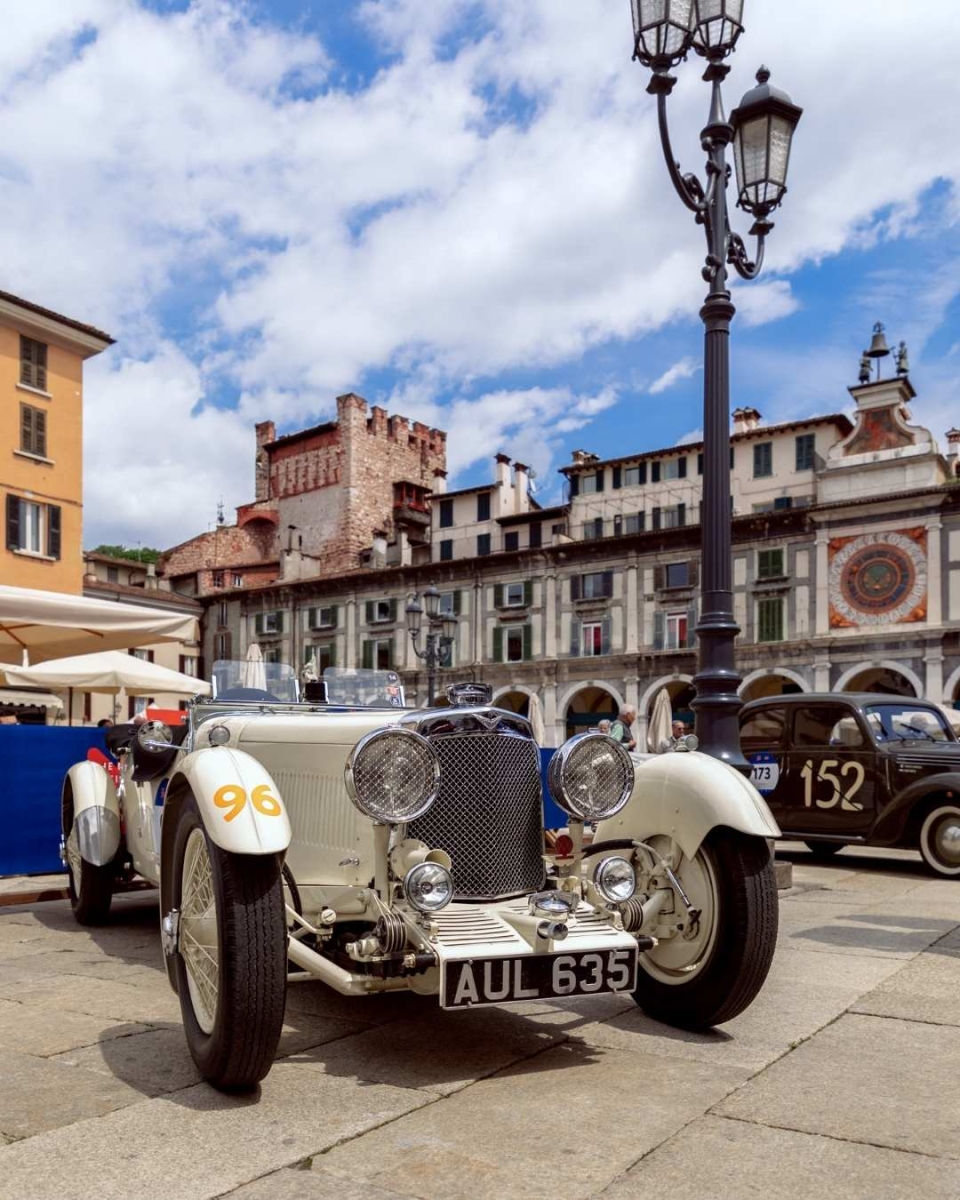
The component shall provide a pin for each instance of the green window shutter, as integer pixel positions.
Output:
(390, 654)
(334, 616)
(368, 608)
(368, 656)
(527, 592)
(258, 625)
(40, 432)
(656, 518)
(575, 637)
(574, 485)
(456, 603)
(53, 530)
(575, 587)
(527, 643)
(393, 610)
(333, 654)
(659, 624)
(605, 632)
(498, 595)
(13, 522)
(617, 477)
(682, 468)
(655, 471)
(600, 481)
(692, 626)
(497, 644)
(26, 428)
(311, 618)
(681, 514)
(700, 463)
(279, 622)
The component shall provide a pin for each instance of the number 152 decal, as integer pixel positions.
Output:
(843, 793)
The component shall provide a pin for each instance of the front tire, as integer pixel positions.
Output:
(231, 958)
(940, 840)
(90, 888)
(711, 972)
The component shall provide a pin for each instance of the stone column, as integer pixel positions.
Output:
(934, 575)
(631, 613)
(823, 584)
(352, 656)
(549, 586)
(549, 700)
(821, 673)
(933, 684)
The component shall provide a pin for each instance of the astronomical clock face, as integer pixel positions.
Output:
(878, 579)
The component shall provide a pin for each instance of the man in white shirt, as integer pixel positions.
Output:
(679, 731)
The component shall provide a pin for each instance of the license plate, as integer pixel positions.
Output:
(468, 983)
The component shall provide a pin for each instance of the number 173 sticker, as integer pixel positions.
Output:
(765, 772)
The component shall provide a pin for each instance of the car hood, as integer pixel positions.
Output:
(312, 728)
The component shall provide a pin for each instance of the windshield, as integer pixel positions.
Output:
(907, 723)
(252, 680)
(371, 688)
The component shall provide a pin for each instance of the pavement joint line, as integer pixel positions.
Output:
(853, 1012)
(835, 1137)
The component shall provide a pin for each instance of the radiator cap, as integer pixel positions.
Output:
(468, 695)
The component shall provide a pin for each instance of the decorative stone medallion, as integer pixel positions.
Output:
(878, 579)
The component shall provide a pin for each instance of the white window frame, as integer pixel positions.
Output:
(670, 517)
(447, 600)
(673, 622)
(191, 666)
(513, 595)
(376, 618)
(39, 527)
(635, 481)
(666, 574)
(220, 645)
(331, 621)
(588, 485)
(237, 581)
(587, 593)
(591, 632)
(670, 469)
(269, 625)
(375, 656)
(512, 634)
(223, 614)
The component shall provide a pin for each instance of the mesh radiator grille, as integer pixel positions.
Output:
(488, 815)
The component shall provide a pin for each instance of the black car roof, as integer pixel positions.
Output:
(857, 699)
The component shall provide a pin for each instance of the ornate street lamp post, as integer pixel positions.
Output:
(440, 633)
(761, 130)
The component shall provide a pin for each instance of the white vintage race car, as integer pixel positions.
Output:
(378, 848)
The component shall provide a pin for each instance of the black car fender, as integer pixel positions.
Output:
(891, 824)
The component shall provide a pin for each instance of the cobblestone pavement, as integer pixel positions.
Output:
(843, 1078)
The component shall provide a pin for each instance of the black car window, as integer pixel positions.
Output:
(905, 722)
(763, 730)
(824, 727)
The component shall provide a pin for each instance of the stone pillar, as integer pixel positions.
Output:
(549, 700)
(933, 684)
(352, 656)
(477, 606)
(934, 575)
(821, 673)
(631, 613)
(550, 615)
(823, 584)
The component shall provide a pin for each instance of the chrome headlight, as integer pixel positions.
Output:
(591, 776)
(392, 775)
(615, 880)
(428, 886)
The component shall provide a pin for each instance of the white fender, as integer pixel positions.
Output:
(96, 813)
(686, 795)
(251, 818)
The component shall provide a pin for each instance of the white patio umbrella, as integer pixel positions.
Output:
(109, 674)
(535, 717)
(661, 719)
(38, 626)
(254, 672)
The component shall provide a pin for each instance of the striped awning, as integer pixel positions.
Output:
(15, 699)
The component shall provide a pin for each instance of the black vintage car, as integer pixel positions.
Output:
(869, 769)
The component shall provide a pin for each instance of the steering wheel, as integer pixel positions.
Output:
(245, 693)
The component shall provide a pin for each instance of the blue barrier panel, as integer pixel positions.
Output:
(33, 762)
(553, 816)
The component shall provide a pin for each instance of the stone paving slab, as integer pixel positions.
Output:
(565, 1122)
(881, 932)
(866, 1079)
(199, 1143)
(151, 1004)
(716, 1159)
(440, 1053)
(36, 1095)
(927, 989)
(39, 1032)
(311, 1185)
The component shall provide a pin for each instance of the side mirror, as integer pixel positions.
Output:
(689, 742)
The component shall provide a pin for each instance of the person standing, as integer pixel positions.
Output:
(621, 729)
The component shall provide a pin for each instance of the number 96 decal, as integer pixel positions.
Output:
(233, 798)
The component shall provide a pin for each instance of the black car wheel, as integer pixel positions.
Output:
(231, 961)
(90, 888)
(940, 840)
(824, 850)
(713, 970)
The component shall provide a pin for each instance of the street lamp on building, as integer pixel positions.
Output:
(761, 130)
(441, 630)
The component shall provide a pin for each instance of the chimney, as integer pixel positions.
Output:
(753, 417)
(521, 495)
(439, 481)
(741, 422)
(953, 449)
(503, 470)
(151, 580)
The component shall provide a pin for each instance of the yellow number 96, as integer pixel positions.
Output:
(234, 798)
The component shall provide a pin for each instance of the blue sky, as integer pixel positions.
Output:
(460, 211)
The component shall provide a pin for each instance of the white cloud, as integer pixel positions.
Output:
(695, 435)
(323, 233)
(683, 369)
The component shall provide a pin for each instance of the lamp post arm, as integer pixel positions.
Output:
(688, 187)
(738, 257)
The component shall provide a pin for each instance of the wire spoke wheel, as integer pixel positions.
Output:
(199, 939)
(675, 960)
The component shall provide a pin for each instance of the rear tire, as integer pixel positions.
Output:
(824, 851)
(231, 958)
(90, 887)
(714, 974)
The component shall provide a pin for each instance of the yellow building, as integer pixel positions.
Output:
(41, 444)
